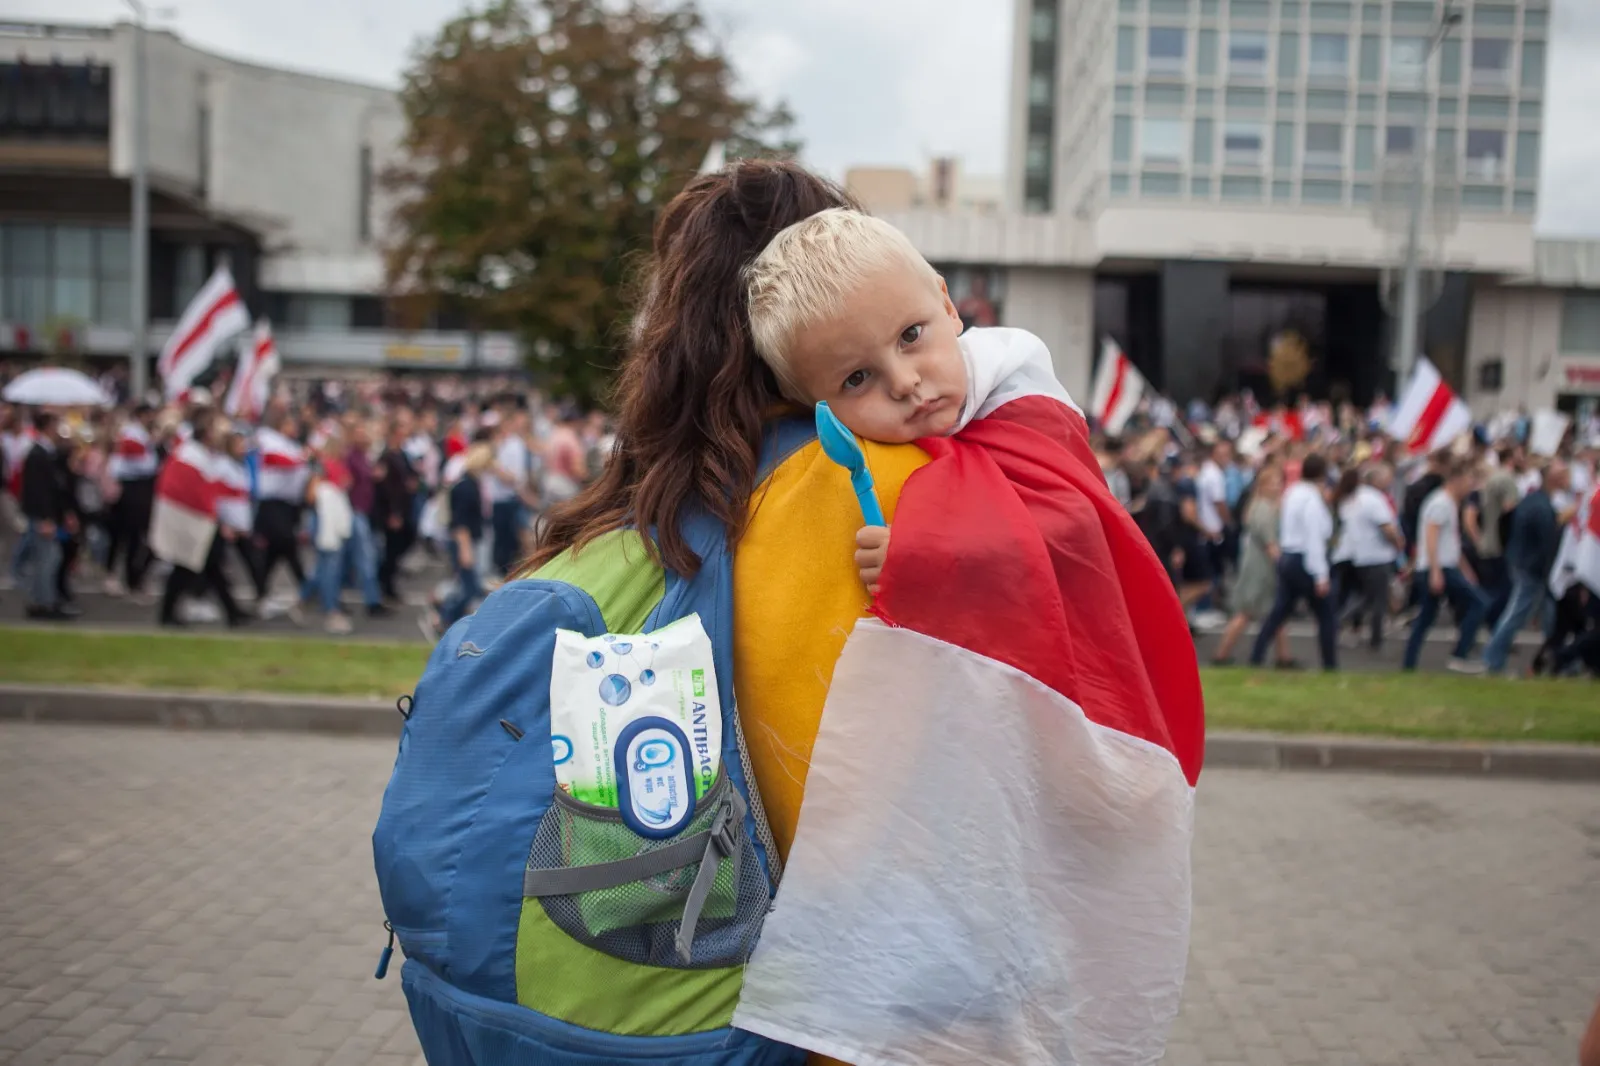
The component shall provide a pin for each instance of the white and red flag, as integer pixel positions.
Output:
(1430, 415)
(184, 517)
(992, 857)
(215, 316)
(1578, 558)
(281, 467)
(252, 380)
(134, 457)
(1118, 388)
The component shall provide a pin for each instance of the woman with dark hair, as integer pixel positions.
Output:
(695, 405)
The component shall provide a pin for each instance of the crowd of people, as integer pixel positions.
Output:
(1256, 513)
(1259, 512)
(344, 485)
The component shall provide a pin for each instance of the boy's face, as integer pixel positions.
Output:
(889, 364)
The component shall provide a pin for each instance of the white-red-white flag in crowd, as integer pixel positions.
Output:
(1430, 415)
(214, 316)
(281, 470)
(252, 379)
(1578, 559)
(184, 517)
(1118, 388)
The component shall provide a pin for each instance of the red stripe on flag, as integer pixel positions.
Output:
(1432, 415)
(129, 448)
(1118, 380)
(201, 328)
(1040, 568)
(280, 461)
(188, 487)
(1594, 514)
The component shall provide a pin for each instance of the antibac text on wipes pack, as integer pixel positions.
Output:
(664, 685)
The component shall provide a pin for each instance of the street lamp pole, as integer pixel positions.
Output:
(139, 244)
(1411, 282)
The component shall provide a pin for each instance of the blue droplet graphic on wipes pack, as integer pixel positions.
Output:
(648, 677)
(622, 647)
(615, 690)
(596, 660)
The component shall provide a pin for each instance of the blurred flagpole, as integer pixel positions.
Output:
(716, 158)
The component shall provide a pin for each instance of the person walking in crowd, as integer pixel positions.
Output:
(1530, 553)
(328, 493)
(47, 504)
(234, 512)
(134, 463)
(361, 547)
(394, 509)
(1370, 541)
(1442, 571)
(1256, 588)
(201, 452)
(280, 492)
(1497, 501)
(1303, 568)
(505, 486)
(466, 527)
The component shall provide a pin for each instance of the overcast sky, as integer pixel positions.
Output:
(871, 81)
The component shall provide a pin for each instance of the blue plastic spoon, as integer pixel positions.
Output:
(841, 446)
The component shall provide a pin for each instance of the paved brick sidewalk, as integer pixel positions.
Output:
(207, 898)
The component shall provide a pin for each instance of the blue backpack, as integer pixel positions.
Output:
(542, 931)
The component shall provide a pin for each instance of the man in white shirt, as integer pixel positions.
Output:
(1370, 541)
(1304, 529)
(505, 489)
(1442, 573)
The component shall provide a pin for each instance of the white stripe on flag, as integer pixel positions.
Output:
(1118, 388)
(212, 317)
(1015, 887)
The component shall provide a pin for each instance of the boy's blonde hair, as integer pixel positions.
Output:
(807, 272)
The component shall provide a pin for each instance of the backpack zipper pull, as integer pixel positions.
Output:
(388, 953)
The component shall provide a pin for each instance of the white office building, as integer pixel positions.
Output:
(272, 171)
(1199, 177)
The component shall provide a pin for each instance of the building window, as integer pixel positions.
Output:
(1408, 61)
(1247, 53)
(1165, 49)
(1038, 153)
(316, 312)
(1580, 322)
(1039, 87)
(1161, 140)
(189, 275)
(1486, 154)
(364, 202)
(1491, 61)
(1400, 140)
(1324, 146)
(73, 272)
(1242, 142)
(1330, 55)
(1042, 27)
(203, 140)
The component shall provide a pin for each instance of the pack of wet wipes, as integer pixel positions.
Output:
(635, 722)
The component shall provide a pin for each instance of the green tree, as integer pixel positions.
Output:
(542, 138)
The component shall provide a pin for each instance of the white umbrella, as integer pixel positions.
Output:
(56, 386)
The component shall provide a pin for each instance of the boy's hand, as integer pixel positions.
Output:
(872, 549)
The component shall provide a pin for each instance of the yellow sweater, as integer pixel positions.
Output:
(797, 596)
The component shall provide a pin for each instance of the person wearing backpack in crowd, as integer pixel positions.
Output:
(796, 599)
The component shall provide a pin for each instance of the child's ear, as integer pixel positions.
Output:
(950, 307)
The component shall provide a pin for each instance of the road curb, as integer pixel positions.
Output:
(197, 710)
(1256, 751)
(1267, 751)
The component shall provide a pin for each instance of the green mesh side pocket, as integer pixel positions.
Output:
(639, 921)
